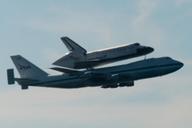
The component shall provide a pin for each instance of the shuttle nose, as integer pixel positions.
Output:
(180, 64)
(150, 49)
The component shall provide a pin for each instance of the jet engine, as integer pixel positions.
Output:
(109, 86)
(126, 84)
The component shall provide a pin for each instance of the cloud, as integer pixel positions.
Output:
(96, 107)
(87, 28)
(144, 26)
(72, 22)
(180, 3)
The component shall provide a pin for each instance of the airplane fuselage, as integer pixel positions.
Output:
(113, 76)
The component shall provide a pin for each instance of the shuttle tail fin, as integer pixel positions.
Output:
(26, 69)
(72, 46)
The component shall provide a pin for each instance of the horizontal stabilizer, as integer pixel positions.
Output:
(24, 81)
(66, 70)
(10, 76)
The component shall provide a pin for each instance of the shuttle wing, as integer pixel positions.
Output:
(86, 64)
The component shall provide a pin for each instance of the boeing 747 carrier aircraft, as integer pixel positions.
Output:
(79, 58)
(109, 77)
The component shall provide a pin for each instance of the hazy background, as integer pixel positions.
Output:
(33, 29)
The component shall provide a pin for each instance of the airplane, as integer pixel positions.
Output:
(108, 77)
(79, 58)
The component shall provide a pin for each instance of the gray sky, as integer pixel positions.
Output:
(33, 29)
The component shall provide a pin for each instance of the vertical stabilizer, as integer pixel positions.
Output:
(26, 69)
(72, 46)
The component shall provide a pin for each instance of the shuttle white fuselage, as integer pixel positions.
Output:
(79, 58)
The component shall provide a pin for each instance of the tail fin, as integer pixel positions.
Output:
(72, 46)
(26, 69)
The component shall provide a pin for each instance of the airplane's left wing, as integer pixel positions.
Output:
(66, 70)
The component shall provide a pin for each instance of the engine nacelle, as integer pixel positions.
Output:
(126, 84)
(109, 86)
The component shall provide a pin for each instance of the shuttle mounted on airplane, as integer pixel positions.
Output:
(79, 58)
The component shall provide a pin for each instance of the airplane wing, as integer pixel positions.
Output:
(66, 70)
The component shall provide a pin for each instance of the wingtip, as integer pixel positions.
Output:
(64, 37)
(14, 55)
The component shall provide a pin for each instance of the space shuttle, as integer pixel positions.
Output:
(79, 58)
